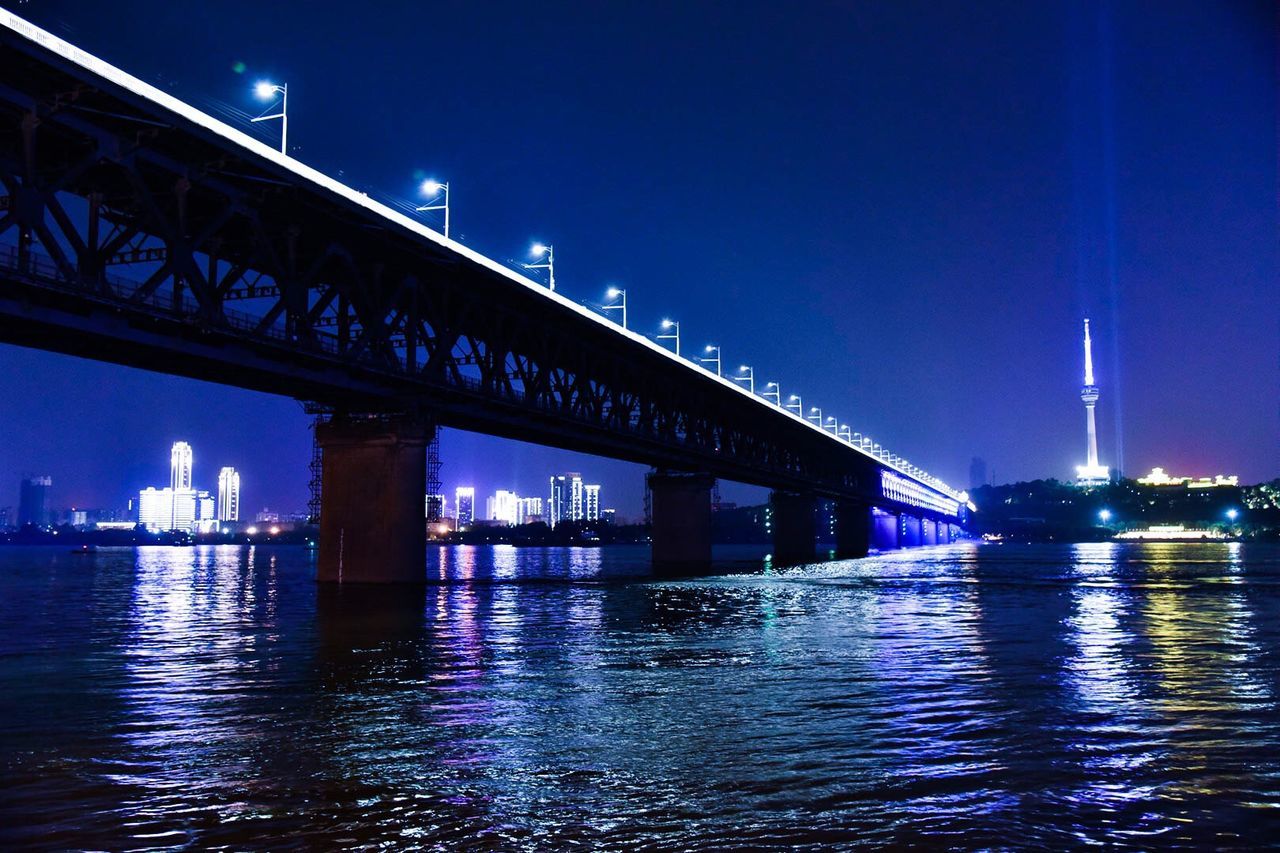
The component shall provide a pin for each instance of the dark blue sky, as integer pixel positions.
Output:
(901, 211)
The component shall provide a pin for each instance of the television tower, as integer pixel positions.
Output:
(1091, 473)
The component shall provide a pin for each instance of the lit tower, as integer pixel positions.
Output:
(180, 466)
(1091, 473)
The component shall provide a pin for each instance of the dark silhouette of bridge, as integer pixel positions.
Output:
(135, 229)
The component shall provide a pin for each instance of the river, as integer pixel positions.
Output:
(967, 696)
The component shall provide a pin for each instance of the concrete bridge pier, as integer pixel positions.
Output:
(795, 527)
(912, 532)
(886, 530)
(681, 529)
(853, 529)
(372, 524)
(929, 532)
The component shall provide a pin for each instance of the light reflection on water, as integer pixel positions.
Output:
(965, 696)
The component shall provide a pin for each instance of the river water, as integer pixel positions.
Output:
(966, 696)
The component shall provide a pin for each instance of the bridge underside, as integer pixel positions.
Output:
(136, 232)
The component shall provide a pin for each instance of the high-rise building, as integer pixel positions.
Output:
(591, 502)
(609, 516)
(464, 498)
(977, 472)
(529, 511)
(180, 466)
(1090, 473)
(435, 507)
(567, 499)
(228, 495)
(33, 501)
(503, 506)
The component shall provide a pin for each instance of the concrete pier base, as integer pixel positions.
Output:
(853, 530)
(372, 517)
(681, 530)
(794, 520)
(929, 532)
(912, 532)
(886, 530)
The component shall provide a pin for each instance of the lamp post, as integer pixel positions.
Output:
(621, 295)
(431, 189)
(674, 336)
(844, 433)
(776, 393)
(830, 422)
(547, 251)
(749, 378)
(715, 361)
(794, 400)
(1104, 515)
(265, 90)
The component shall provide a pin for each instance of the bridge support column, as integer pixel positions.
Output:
(886, 530)
(853, 529)
(795, 530)
(681, 521)
(929, 532)
(911, 532)
(372, 522)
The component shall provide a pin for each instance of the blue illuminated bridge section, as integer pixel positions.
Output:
(139, 230)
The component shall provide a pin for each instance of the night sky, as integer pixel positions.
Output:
(901, 211)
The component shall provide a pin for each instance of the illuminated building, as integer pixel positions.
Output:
(591, 503)
(228, 495)
(529, 510)
(1158, 477)
(180, 461)
(435, 507)
(503, 506)
(464, 498)
(560, 504)
(609, 516)
(1091, 473)
(33, 501)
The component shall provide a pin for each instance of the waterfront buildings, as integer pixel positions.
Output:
(529, 511)
(228, 495)
(572, 500)
(1158, 477)
(504, 507)
(1091, 473)
(464, 498)
(33, 501)
(181, 506)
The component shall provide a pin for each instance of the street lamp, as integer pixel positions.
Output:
(749, 378)
(1104, 515)
(1233, 514)
(266, 90)
(776, 393)
(540, 250)
(844, 433)
(621, 295)
(716, 360)
(431, 189)
(831, 421)
(815, 415)
(674, 336)
(794, 400)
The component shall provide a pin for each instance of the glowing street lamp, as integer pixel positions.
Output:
(674, 336)
(1104, 515)
(794, 400)
(431, 189)
(266, 90)
(830, 422)
(540, 250)
(621, 295)
(844, 433)
(709, 360)
(815, 415)
(1233, 514)
(749, 377)
(776, 393)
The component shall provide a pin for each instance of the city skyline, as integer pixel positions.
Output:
(915, 285)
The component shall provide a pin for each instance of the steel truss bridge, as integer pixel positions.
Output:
(135, 229)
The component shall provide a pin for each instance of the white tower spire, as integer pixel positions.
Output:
(1091, 472)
